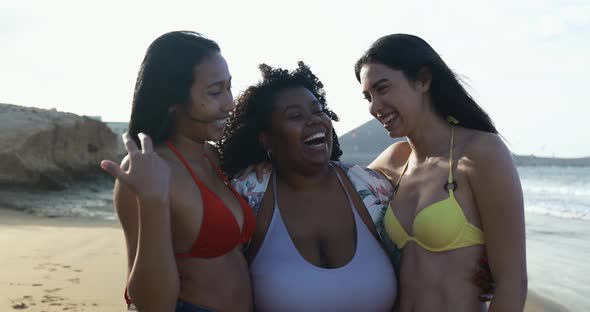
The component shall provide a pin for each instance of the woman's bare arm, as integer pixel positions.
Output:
(498, 196)
(142, 204)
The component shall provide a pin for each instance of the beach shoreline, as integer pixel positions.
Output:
(536, 302)
(78, 264)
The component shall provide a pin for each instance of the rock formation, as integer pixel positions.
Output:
(41, 147)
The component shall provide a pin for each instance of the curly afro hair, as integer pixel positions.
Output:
(240, 146)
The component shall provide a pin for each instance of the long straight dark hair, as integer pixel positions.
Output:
(164, 80)
(411, 54)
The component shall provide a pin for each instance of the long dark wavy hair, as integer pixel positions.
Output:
(411, 54)
(164, 80)
(240, 146)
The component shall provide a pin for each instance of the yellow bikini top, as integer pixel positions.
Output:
(439, 227)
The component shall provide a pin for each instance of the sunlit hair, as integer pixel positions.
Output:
(164, 80)
(411, 54)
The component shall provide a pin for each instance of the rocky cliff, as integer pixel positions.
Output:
(49, 148)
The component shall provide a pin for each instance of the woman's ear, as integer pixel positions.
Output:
(264, 141)
(424, 79)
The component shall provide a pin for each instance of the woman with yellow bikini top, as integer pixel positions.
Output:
(439, 227)
(454, 203)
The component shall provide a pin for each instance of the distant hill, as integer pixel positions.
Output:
(531, 160)
(364, 143)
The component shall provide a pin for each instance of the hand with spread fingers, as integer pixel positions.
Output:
(147, 174)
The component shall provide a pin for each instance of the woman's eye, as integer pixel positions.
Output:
(382, 89)
(215, 93)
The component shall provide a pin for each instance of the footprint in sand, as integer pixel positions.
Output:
(74, 280)
(54, 266)
(53, 300)
(20, 306)
(23, 303)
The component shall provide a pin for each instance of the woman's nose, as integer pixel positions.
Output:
(229, 104)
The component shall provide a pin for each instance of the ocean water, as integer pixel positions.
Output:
(562, 192)
(557, 206)
(557, 260)
(89, 199)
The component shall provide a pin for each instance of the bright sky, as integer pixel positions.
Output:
(526, 61)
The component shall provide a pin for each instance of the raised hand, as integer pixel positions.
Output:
(147, 174)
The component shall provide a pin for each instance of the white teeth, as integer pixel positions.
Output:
(388, 118)
(315, 136)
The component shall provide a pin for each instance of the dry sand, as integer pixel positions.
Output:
(536, 303)
(60, 264)
(73, 264)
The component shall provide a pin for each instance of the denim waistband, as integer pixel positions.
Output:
(181, 306)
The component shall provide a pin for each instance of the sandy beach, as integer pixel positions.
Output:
(60, 264)
(78, 264)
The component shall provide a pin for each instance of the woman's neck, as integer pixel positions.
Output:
(303, 181)
(430, 138)
(189, 148)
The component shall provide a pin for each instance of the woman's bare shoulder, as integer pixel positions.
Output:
(484, 150)
(392, 158)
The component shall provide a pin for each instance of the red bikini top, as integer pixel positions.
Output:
(220, 231)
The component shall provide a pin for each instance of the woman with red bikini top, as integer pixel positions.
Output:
(184, 224)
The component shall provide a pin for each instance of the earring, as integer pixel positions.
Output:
(269, 154)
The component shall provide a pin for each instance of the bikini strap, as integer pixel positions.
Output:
(343, 186)
(274, 190)
(451, 155)
(451, 185)
(219, 172)
(396, 186)
(224, 178)
(185, 163)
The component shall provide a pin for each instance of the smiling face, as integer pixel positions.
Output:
(393, 100)
(301, 133)
(211, 101)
